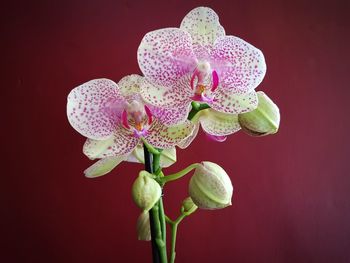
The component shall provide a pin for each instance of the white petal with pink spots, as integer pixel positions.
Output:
(166, 55)
(165, 137)
(228, 102)
(241, 66)
(218, 123)
(92, 109)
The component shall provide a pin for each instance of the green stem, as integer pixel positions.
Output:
(155, 251)
(180, 174)
(149, 147)
(162, 219)
(158, 213)
(173, 243)
(159, 238)
(168, 220)
(174, 226)
(156, 168)
(196, 107)
(156, 160)
(192, 113)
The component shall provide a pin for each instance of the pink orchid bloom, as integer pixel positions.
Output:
(198, 62)
(115, 114)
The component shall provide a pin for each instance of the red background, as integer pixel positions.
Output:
(291, 201)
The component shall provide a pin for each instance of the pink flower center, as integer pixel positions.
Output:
(204, 82)
(137, 118)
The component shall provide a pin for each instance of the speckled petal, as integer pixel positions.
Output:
(129, 86)
(172, 116)
(165, 137)
(240, 65)
(165, 55)
(228, 102)
(93, 108)
(186, 142)
(123, 142)
(161, 96)
(103, 166)
(95, 148)
(204, 26)
(219, 124)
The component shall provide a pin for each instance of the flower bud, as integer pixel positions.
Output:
(210, 187)
(264, 120)
(188, 207)
(143, 227)
(145, 191)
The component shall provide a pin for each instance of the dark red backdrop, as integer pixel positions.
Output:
(291, 202)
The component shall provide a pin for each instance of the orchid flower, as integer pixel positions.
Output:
(198, 62)
(216, 125)
(107, 164)
(114, 118)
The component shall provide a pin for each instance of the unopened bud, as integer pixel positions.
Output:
(210, 187)
(143, 227)
(188, 207)
(146, 191)
(264, 120)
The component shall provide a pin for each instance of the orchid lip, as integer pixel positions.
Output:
(139, 134)
(207, 99)
(138, 126)
(203, 98)
(198, 79)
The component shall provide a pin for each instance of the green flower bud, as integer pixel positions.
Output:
(210, 187)
(143, 227)
(188, 207)
(264, 120)
(146, 191)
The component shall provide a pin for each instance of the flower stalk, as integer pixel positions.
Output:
(180, 174)
(196, 107)
(157, 220)
(174, 225)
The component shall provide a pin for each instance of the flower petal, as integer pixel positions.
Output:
(170, 105)
(171, 116)
(240, 65)
(103, 166)
(137, 155)
(95, 148)
(203, 25)
(165, 137)
(161, 96)
(168, 157)
(129, 86)
(92, 109)
(165, 55)
(229, 102)
(186, 142)
(122, 142)
(218, 123)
